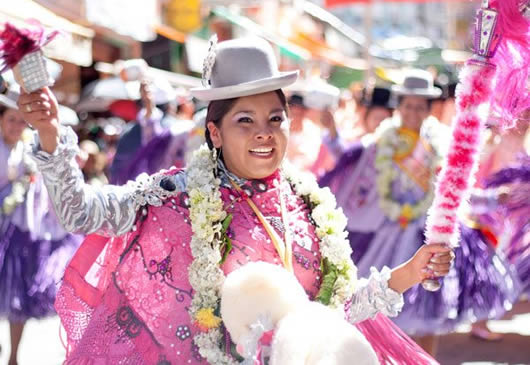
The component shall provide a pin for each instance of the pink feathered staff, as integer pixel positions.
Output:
(499, 25)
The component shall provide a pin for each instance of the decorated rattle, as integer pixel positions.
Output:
(21, 51)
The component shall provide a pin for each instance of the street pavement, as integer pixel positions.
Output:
(514, 349)
(41, 344)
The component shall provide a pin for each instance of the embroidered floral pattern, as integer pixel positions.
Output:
(163, 268)
(183, 333)
(127, 321)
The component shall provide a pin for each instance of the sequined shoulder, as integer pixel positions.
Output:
(155, 189)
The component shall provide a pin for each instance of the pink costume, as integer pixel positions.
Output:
(125, 299)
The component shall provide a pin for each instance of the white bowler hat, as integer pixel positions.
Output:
(241, 67)
(417, 83)
(9, 98)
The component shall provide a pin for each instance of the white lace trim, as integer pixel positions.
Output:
(385, 299)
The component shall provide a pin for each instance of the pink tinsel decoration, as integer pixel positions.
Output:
(454, 179)
(508, 70)
(15, 43)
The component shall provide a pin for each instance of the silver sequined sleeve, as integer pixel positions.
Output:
(373, 296)
(109, 210)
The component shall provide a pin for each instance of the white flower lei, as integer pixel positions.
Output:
(206, 216)
(387, 140)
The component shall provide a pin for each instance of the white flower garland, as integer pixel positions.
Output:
(388, 140)
(205, 274)
(330, 223)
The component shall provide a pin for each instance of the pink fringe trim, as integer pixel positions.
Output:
(391, 344)
(15, 43)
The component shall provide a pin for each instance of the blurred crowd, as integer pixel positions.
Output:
(319, 115)
(133, 121)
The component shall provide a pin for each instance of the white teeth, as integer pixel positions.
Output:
(262, 150)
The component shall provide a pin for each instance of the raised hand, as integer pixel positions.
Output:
(328, 121)
(40, 110)
(148, 101)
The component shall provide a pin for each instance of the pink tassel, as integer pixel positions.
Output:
(391, 345)
(17, 43)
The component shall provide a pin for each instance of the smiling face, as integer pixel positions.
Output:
(252, 135)
(374, 116)
(414, 110)
(12, 125)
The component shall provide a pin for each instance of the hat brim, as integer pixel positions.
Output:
(284, 79)
(430, 93)
(8, 103)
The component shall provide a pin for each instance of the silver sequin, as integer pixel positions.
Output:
(109, 210)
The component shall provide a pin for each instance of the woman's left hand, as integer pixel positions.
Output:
(431, 261)
(428, 262)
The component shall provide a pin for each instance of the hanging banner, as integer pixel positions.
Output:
(132, 18)
(335, 3)
(184, 15)
(75, 42)
(243, 3)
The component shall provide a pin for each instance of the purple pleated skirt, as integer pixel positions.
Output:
(30, 271)
(523, 271)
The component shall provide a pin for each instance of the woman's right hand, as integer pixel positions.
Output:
(41, 111)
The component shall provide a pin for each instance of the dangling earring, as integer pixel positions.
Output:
(214, 154)
(215, 157)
